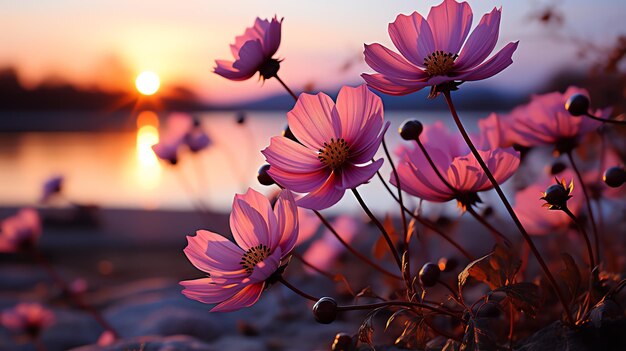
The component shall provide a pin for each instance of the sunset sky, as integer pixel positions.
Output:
(107, 43)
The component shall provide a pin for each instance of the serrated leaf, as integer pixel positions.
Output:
(524, 296)
(366, 331)
(380, 247)
(451, 345)
(571, 276)
(496, 269)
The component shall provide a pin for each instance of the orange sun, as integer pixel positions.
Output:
(147, 83)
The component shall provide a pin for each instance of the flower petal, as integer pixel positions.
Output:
(352, 176)
(450, 23)
(272, 37)
(226, 70)
(262, 205)
(211, 252)
(300, 182)
(391, 86)
(491, 67)
(387, 62)
(356, 106)
(286, 213)
(267, 267)
(250, 57)
(324, 197)
(311, 120)
(206, 290)
(291, 157)
(481, 42)
(413, 37)
(368, 143)
(248, 226)
(247, 297)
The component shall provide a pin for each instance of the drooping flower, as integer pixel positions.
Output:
(532, 212)
(29, 318)
(51, 186)
(337, 140)
(181, 130)
(431, 53)
(323, 252)
(253, 52)
(21, 231)
(456, 164)
(238, 272)
(545, 121)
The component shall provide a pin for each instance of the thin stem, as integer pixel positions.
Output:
(380, 226)
(497, 235)
(402, 214)
(583, 233)
(296, 290)
(596, 241)
(509, 208)
(456, 296)
(294, 96)
(615, 121)
(352, 250)
(67, 291)
(396, 303)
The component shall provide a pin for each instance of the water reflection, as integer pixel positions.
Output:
(148, 169)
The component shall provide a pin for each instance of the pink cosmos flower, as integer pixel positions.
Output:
(336, 141)
(323, 252)
(51, 186)
(20, 231)
(107, 338)
(431, 53)
(456, 164)
(539, 220)
(181, 129)
(545, 121)
(253, 52)
(28, 318)
(238, 272)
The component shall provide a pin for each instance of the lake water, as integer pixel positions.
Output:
(119, 170)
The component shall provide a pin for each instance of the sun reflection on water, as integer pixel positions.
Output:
(148, 167)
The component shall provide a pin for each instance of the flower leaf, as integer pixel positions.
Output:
(524, 296)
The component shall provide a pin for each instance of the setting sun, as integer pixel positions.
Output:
(147, 83)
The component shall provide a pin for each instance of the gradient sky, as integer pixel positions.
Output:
(106, 43)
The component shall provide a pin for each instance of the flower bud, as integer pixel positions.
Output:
(614, 176)
(269, 68)
(556, 195)
(263, 177)
(342, 342)
(577, 105)
(429, 274)
(411, 129)
(325, 310)
(241, 117)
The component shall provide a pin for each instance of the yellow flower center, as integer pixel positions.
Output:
(253, 256)
(439, 63)
(334, 153)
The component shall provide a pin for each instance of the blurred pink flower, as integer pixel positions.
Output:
(455, 163)
(323, 252)
(253, 52)
(430, 50)
(237, 273)
(107, 338)
(539, 220)
(545, 121)
(181, 129)
(20, 231)
(28, 318)
(308, 224)
(335, 140)
(51, 186)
